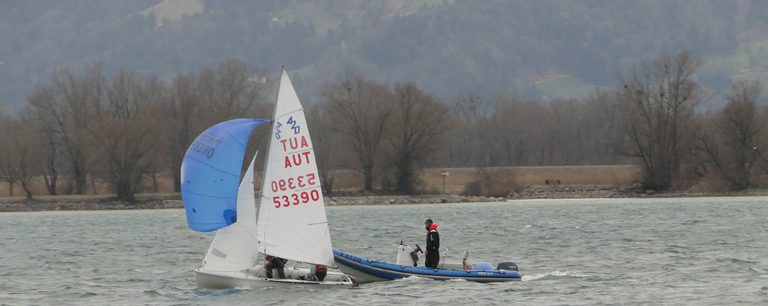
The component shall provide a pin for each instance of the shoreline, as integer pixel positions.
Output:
(173, 201)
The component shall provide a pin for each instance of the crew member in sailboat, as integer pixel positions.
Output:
(432, 252)
(275, 262)
(316, 273)
(321, 272)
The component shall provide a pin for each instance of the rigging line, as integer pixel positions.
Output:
(244, 235)
(209, 196)
(280, 219)
(246, 249)
(240, 255)
(291, 113)
(203, 162)
(300, 151)
(309, 188)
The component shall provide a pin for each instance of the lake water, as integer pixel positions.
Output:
(698, 251)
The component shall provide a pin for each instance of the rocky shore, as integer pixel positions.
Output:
(81, 203)
(401, 199)
(171, 202)
(600, 191)
(356, 198)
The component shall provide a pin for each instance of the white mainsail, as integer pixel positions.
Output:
(291, 222)
(234, 248)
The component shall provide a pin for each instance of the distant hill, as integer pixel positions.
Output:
(538, 49)
(173, 10)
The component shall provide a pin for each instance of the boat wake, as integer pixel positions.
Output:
(527, 278)
(413, 278)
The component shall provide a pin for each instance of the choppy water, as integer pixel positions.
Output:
(701, 251)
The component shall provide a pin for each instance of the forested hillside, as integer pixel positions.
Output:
(446, 47)
(114, 93)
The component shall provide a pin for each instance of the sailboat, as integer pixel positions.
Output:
(290, 222)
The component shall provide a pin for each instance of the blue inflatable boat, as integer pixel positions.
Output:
(367, 270)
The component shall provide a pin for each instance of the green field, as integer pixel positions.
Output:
(565, 86)
(749, 62)
(311, 13)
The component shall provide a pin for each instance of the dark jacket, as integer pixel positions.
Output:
(433, 240)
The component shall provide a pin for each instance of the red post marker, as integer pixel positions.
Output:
(444, 174)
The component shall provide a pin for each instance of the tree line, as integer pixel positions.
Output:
(129, 130)
(125, 131)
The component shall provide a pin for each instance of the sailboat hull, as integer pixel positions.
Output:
(245, 279)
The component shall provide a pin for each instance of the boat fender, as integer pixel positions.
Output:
(415, 258)
(507, 265)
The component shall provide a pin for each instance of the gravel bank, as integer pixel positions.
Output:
(356, 198)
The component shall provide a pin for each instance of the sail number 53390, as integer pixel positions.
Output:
(296, 198)
(291, 183)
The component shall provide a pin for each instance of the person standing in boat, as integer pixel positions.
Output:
(432, 252)
(275, 262)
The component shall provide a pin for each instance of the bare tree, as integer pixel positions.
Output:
(326, 145)
(759, 151)
(360, 110)
(19, 154)
(232, 89)
(65, 109)
(603, 127)
(730, 138)
(124, 133)
(180, 125)
(8, 171)
(562, 142)
(515, 132)
(47, 130)
(464, 142)
(418, 122)
(661, 98)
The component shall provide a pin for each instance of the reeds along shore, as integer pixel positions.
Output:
(529, 183)
(173, 201)
(431, 180)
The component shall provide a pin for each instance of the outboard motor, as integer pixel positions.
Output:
(406, 256)
(414, 257)
(507, 265)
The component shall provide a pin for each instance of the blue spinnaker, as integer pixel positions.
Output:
(210, 174)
